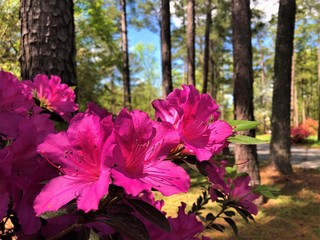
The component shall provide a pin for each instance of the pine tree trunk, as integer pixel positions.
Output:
(166, 48)
(48, 39)
(318, 58)
(262, 83)
(206, 48)
(214, 73)
(294, 102)
(245, 155)
(191, 42)
(125, 57)
(280, 154)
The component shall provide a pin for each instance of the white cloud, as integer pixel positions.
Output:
(174, 19)
(269, 7)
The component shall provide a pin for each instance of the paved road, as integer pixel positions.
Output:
(301, 156)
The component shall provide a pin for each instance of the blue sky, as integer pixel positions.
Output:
(144, 36)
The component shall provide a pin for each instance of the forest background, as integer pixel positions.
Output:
(99, 61)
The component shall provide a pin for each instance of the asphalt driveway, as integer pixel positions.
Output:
(302, 156)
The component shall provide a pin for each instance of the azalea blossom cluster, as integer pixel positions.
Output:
(100, 173)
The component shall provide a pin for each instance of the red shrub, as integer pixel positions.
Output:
(311, 126)
(306, 129)
(299, 134)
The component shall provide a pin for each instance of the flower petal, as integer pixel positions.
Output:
(167, 178)
(91, 196)
(58, 192)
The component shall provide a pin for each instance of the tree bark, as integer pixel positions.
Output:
(48, 39)
(262, 82)
(318, 58)
(280, 154)
(206, 48)
(191, 41)
(245, 155)
(294, 99)
(214, 73)
(166, 48)
(125, 57)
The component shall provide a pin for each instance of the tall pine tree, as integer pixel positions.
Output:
(280, 122)
(246, 155)
(48, 39)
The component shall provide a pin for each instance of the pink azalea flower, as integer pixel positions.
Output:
(81, 155)
(190, 113)
(8, 126)
(4, 194)
(93, 108)
(23, 199)
(243, 195)
(237, 190)
(148, 197)
(216, 177)
(19, 162)
(14, 96)
(142, 147)
(53, 95)
(18, 154)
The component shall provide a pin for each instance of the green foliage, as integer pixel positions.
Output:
(10, 36)
(307, 40)
(150, 213)
(242, 125)
(145, 14)
(127, 225)
(98, 53)
(241, 139)
(145, 77)
(267, 191)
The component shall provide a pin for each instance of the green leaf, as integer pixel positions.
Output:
(217, 227)
(128, 225)
(192, 166)
(118, 208)
(267, 191)
(73, 87)
(60, 212)
(93, 235)
(244, 214)
(231, 171)
(232, 224)
(151, 213)
(240, 139)
(218, 193)
(229, 213)
(210, 217)
(202, 166)
(242, 125)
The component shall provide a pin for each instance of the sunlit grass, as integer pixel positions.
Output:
(312, 141)
(264, 137)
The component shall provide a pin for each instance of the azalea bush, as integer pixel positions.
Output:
(96, 178)
(308, 128)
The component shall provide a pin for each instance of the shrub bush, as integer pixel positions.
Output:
(306, 129)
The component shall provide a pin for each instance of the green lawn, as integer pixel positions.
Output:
(311, 141)
(264, 137)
